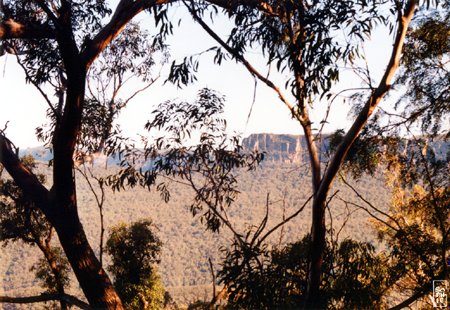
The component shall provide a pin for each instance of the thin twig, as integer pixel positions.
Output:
(240, 58)
(286, 220)
(38, 87)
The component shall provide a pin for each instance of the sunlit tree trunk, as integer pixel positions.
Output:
(318, 230)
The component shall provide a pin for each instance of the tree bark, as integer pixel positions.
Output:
(318, 229)
(317, 251)
(9, 28)
(93, 280)
(45, 297)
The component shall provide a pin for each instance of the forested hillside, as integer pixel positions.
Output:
(187, 245)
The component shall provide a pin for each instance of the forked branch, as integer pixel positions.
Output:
(378, 93)
(23, 177)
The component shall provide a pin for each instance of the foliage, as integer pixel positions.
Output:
(417, 228)
(19, 218)
(364, 155)
(354, 276)
(425, 72)
(300, 38)
(48, 278)
(134, 250)
(189, 142)
(42, 58)
(132, 56)
(209, 166)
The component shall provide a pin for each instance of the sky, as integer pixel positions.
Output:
(24, 108)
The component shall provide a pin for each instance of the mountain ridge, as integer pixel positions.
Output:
(286, 148)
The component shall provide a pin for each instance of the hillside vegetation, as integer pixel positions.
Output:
(187, 247)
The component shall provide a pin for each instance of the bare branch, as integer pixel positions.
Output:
(368, 202)
(38, 87)
(286, 220)
(138, 92)
(240, 58)
(213, 275)
(45, 297)
(422, 292)
(100, 200)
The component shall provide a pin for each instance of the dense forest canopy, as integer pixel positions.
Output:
(85, 53)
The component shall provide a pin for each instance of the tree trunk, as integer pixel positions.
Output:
(63, 214)
(317, 250)
(93, 280)
(318, 229)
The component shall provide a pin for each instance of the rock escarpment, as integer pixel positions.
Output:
(278, 148)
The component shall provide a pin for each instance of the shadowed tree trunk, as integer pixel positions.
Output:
(60, 203)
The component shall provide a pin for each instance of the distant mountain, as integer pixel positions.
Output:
(281, 148)
(278, 148)
(293, 148)
(188, 248)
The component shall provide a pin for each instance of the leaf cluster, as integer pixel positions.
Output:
(425, 73)
(354, 276)
(363, 157)
(417, 230)
(189, 145)
(19, 218)
(207, 166)
(40, 58)
(303, 37)
(135, 250)
(51, 280)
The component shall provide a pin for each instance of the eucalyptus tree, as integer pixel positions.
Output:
(21, 221)
(57, 42)
(416, 227)
(301, 39)
(135, 252)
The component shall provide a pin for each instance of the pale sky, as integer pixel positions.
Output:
(25, 109)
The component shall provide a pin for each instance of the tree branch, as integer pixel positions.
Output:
(239, 57)
(11, 29)
(372, 102)
(412, 299)
(23, 177)
(286, 220)
(124, 12)
(263, 6)
(45, 297)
